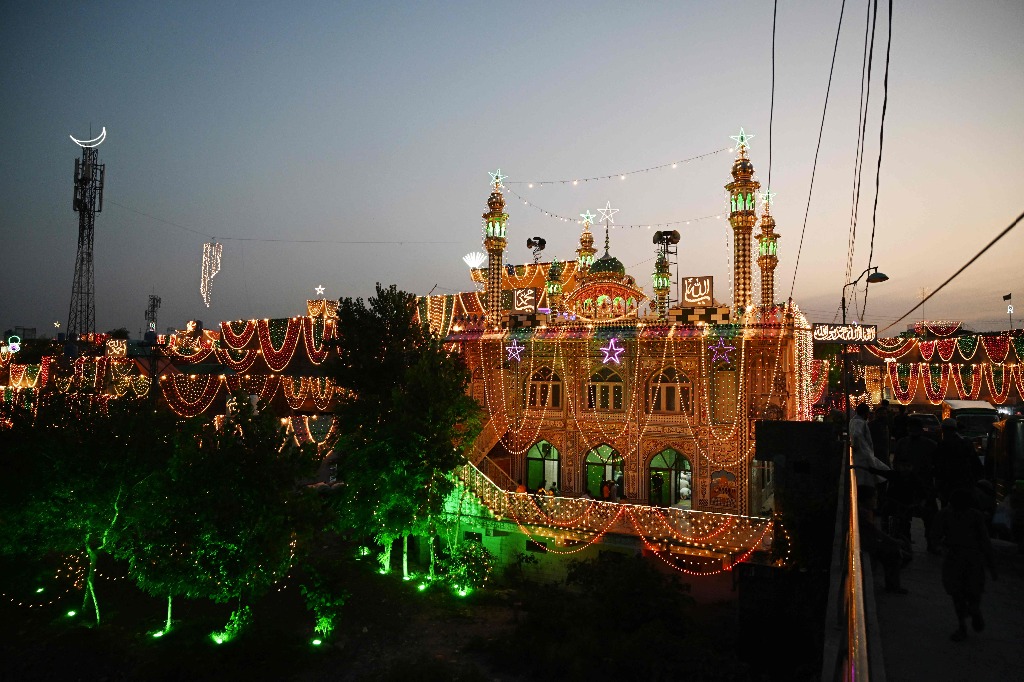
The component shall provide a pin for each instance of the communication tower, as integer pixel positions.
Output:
(89, 175)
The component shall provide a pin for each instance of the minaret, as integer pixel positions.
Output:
(742, 219)
(662, 284)
(554, 286)
(585, 254)
(768, 245)
(494, 242)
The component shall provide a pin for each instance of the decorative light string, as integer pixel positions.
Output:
(620, 176)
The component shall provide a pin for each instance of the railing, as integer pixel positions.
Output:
(709, 533)
(846, 650)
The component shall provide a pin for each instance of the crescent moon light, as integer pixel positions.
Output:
(95, 142)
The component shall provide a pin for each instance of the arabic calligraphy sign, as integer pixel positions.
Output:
(520, 300)
(698, 291)
(845, 333)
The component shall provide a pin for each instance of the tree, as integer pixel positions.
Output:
(71, 471)
(407, 424)
(223, 520)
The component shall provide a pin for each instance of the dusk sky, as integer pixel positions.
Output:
(378, 122)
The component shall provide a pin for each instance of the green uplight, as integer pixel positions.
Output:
(38, 590)
(421, 587)
(462, 593)
(317, 642)
(406, 577)
(383, 571)
(72, 614)
(158, 633)
(217, 638)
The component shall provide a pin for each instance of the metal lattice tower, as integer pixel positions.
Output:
(154, 305)
(88, 202)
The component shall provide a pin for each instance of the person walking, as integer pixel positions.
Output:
(864, 459)
(956, 464)
(912, 492)
(880, 437)
(968, 554)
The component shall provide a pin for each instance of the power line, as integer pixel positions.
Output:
(878, 168)
(771, 105)
(817, 149)
(954, 275)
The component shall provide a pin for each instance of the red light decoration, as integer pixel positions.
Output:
(237, 360)
(996, 347)
(278, 358)
(927, 349)
(903, 395)
(237, 339)
(1005, 382)
(819, 380)
(315, 330)
(972, 393)
(946, 348)
(935, 392)
(894, 352)
(190, 396)
(295, 390)
(263, 386)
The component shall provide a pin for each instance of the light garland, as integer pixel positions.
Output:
(212, 252)
(277, 357)
(190, 395)
(621, 175)
(240, 339)
(1005, 382)
(315, 332)
(263, 386)
(972, 393)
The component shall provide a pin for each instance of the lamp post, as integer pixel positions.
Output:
(875, 277)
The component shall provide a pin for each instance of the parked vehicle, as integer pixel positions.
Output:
(929, 422)
(1004, 466)
(974, 419)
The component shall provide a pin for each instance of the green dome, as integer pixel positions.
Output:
(609, 264)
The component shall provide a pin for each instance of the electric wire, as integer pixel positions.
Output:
(817, 149)
(858, 161)
(878, 168)
(954, 275)
(771, 105)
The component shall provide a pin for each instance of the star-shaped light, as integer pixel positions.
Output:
(56, 325)
(319, 290)
(742, 140)
(588, 217)
(721, 350)
(767, 197)
(612, 351)
(607, 212)
(515, 351)
(496, 177)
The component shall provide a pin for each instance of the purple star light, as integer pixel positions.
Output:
(515, 351)
(721, 351)
(612, 352)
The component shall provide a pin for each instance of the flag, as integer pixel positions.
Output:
(1007, 297)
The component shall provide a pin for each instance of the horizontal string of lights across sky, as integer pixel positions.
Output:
(614, 226)
(617, 176)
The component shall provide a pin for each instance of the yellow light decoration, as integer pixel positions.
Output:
(190, 396)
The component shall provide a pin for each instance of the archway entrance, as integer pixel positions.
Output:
(669, 477)
(542, 466)
(604, 463)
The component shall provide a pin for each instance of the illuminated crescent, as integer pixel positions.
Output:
(95, 142)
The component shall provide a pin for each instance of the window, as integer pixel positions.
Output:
(670, 392)
(542, 466)
(604, 463)
(669, 480)
(605, 391)
(545, 389)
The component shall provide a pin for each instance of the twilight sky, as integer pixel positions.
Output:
(378, 122)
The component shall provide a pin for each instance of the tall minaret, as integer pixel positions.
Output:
(742, 219)
(494, 241)
(554, 286)
(662, 284)
(585, 254)
(768, 245)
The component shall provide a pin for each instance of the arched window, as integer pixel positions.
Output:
(604, 463)
(542, 466)
(670, 479)
(670, 392)
(605, 391)
(545, 389)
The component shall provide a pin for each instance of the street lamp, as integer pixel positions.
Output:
(875, 277)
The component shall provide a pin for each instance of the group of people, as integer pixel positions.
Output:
(551, 491)
(901, 473)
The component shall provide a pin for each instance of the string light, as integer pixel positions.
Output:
(620, 175)
(212, 252)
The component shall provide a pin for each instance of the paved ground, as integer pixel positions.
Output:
(915, 627)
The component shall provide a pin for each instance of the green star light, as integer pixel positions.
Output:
(742, 140)
(588, 217)
(497, 177)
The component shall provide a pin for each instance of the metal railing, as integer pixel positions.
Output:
(846, 650)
